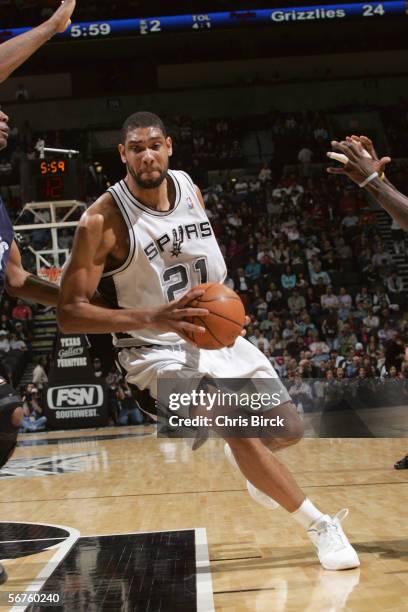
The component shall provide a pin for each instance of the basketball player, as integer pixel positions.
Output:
(19, 282)
(368, 173)
(144, 245)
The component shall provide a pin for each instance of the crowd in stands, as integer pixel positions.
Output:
(15, 338)
(321, 288)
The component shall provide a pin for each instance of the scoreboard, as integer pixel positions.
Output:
(156, 26)
(52, 180)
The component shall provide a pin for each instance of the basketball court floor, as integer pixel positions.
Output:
(116, 519)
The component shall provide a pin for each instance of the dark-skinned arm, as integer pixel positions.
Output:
(359, 168)
(16, 51)
(23, 284)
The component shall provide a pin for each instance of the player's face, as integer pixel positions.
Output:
(146, 154)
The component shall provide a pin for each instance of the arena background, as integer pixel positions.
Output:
(252, 108)
(268, 96)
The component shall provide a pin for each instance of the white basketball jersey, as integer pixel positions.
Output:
(170, 252)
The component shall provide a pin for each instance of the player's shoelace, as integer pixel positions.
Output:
(329, 533)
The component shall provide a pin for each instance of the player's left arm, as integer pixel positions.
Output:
(200, 196)
(23, 284)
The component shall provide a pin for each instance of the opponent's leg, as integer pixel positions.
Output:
(11, 416)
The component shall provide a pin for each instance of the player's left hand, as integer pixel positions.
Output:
(247, 322)
(4, 130)
(61, 19)
(358, 166)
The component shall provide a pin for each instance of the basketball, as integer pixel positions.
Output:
(225, 321)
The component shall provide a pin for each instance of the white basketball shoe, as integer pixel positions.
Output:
(332, 546)
(256, 494)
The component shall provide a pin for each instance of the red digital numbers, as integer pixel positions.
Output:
(54, 188)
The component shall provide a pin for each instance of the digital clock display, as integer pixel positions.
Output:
(49, 188)
(53, 167)
(53, 179)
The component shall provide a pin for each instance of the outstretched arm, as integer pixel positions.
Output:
(23, 284)
(366, 172)
(16, 51)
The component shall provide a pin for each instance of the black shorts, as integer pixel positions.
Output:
(9, 401)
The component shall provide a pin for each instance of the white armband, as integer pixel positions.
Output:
(370, 178)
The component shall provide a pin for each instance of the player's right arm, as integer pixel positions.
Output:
(16, 51)
(94, 242)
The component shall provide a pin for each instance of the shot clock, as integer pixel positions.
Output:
(52, 180)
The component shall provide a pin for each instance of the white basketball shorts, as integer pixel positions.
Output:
(146, 365)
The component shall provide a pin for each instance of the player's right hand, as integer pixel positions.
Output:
(4, 130)
(61, 19)
(172, 317)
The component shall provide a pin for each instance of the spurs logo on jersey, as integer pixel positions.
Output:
(191, 231)
(178, 237)
(170, 252)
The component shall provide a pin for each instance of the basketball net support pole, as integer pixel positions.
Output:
(43, 149)
(36, 208)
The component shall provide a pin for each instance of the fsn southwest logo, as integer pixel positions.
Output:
(75, 396)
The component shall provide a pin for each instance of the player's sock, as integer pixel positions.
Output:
(307, 514)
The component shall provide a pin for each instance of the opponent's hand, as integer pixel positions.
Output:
(61, 19)
(172, 317)
(4, 130)
(358, 166)
(367, 144)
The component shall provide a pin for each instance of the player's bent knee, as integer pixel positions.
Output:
(290, 433)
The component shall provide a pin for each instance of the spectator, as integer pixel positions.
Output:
(265, 174)
(371, 320)
(398, 238)
(22, 312)
(253, 270)
(395, 285)
(296, 302)
(329, 301)
(4, 341)
(288, 279)
(40, 378)
(318, 346)
(17, 344)
(33, 419)
(130, 413)
(350, 221)
(317, 275)
(301, 394)
(305, 157)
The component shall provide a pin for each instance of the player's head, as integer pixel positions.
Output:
(145, 149)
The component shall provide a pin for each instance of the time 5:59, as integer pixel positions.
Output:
(94, 29)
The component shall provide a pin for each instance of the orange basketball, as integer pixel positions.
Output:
(225, 321)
